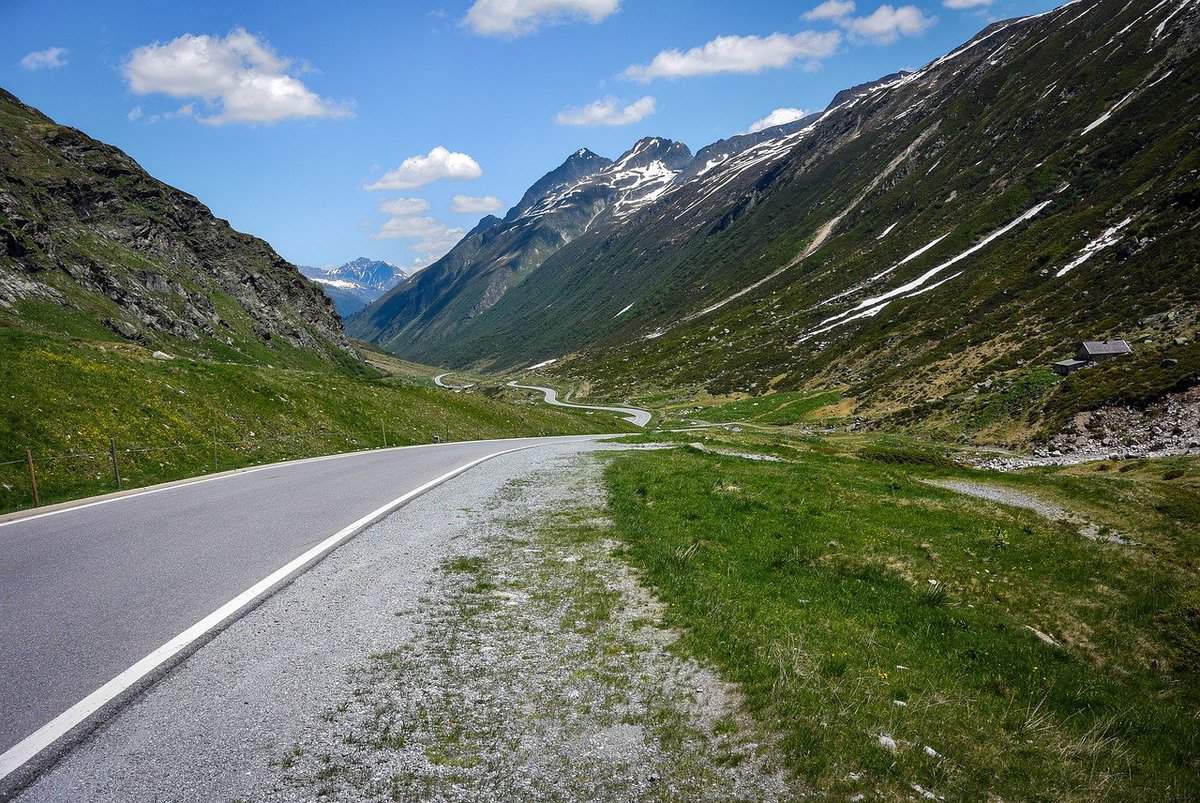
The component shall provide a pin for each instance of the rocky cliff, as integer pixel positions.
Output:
(82, 225)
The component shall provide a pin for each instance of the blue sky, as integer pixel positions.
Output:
(280, 116)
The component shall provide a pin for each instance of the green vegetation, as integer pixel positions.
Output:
(68, 387)
(857, 604)
(976, 142)
(777, 408)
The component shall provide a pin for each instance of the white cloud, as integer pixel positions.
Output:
(776, 117)
(241, 78)
(607, 111)
(831, 10)
(738, 54)
(519, 17)
(49, 59)
(428, 234)
(405, 206)
(887, 23)
(959, 4)
(430, 238)
(417, 171)
(135, 113)
(475, 204)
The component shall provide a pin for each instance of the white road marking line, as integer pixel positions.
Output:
(242, 472)
(21, 753)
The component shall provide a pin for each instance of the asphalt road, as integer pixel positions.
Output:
(88, 591)
(633, 415)
(439, 380)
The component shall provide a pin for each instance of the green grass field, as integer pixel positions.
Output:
(856, 604)
(68, 390)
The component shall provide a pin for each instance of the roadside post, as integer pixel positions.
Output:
(112, 453)
(37, 502)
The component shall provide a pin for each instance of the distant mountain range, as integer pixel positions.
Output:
(925, 233)
(357, 283)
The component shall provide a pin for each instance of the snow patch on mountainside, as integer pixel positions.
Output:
(873, 306)
(1109, 237)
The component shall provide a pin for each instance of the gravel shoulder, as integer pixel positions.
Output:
(482, 643)
(1015, 498)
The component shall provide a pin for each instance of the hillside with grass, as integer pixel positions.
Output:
(137, 328)
(84, 227)
(73, 393)
(929, 245)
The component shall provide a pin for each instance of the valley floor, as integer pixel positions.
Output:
(756, 615)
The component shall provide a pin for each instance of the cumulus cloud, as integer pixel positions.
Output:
(960, 4)
(240, 77)
(49, 59)
(607, 111)
(887, 23)
(429, 237)
(475, 204)
(405, 206)
(135, 113)
(776, 117)
(831, 10)
(738, 54)
(417, 171)
(520, 17)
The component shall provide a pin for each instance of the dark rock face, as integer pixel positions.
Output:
(82, 224)
(577, 166)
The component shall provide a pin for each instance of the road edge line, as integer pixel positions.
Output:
(78, 715)
(30, 514)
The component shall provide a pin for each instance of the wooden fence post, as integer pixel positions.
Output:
(112, 452)
(37, 501)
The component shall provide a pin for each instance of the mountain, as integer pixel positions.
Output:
(357, 283)
(586, 191)
(930, 232)
(87, 234)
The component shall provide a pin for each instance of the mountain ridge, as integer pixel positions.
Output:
(989, 169)
(355, 284)
(84, 228)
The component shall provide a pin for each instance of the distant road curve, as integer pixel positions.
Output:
(438, 380)
(633, 415)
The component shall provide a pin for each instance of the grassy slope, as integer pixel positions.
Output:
(812, 583)
(69, 386)
(1008, 137)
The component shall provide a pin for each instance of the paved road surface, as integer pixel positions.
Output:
(88, 591)
(439, 381)
(633, 415)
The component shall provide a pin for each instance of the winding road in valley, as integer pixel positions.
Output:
(633, 415)
(440, 381)
(101, 596)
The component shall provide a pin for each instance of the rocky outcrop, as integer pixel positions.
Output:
(82, 224)
(1170, 426)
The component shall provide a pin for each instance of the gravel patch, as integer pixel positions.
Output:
(1015, 498)
(482, 643)
(540, 672)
